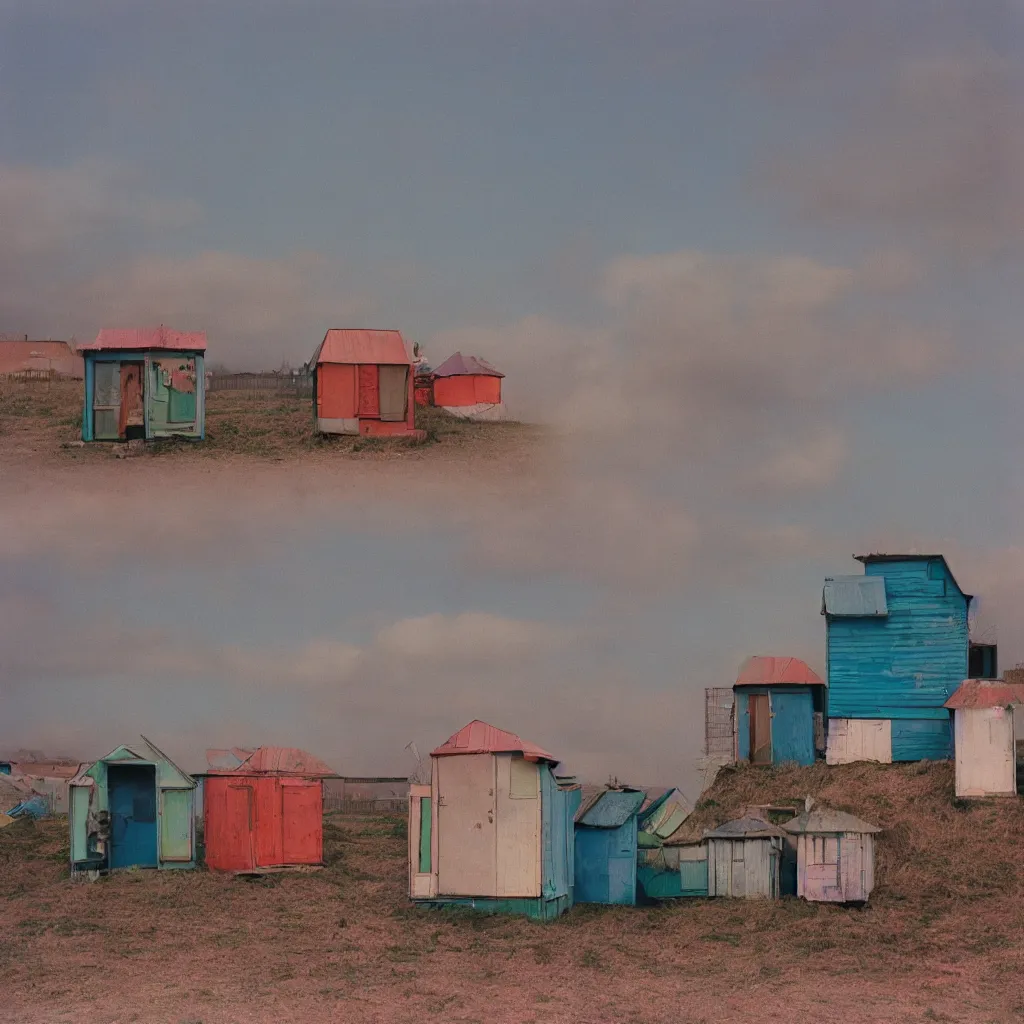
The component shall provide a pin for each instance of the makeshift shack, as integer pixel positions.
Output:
(744, 859)
(835, 855)
(779, 716)
(494, 829)
(145, 383)
(363, 384)
(667, 870)
(984, 736)
(132, 808)
(469, 387)
(266, 814)
(606, 847)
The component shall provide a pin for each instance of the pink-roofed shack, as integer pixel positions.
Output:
(494, 829)
(469, 387)
(985, 736)
(363, 384)
(144, 383)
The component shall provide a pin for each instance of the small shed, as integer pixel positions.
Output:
(606, 847)
(470, 388)
(266, 814)
(363, 384)
(146, 383)
(984, 737)
(744, 858)
(779, 711)
(835, 855)
(133, 808)
(494, 829)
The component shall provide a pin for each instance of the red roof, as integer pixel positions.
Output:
(113, 339)
(57, 356)
(459, 365)
(480, 738)
(986, 693)
(767, 671)
(278, 761)
(362, 346)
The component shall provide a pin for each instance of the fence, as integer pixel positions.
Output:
(718, 725)
(300, 385)
(353, 795)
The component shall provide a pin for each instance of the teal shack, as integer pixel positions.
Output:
(897, 649)
(779, 712)
(606, 846)
(134, 808)
(144, 384)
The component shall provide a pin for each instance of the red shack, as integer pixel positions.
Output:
(363, 384)
(266, 814)
(469, 387)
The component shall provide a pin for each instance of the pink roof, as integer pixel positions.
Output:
(113, 339)
(278, 761)
(459, 365)
(766, 671)
(362, 346)
(480, 738)
(57, 356)
(986, 693)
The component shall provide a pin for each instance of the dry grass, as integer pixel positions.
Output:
(942, 940)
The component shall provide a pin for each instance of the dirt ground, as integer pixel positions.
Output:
(345, 944)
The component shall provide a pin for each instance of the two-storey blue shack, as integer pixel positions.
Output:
(897, 648)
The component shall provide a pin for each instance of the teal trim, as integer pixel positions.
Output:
(90, 377)
(536, 909)
(425, 822)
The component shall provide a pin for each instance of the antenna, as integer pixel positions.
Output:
(417, 775)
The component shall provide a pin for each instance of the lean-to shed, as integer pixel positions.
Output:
(133, 808)
(779, 711)
(606, 847)
(897, 648)
(266, 814)
(363, 384)
(835, 856)
(984, 736)
(744, 859)
(145, 383)
(470, 388)
(494, 829)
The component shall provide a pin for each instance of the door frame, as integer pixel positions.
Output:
(114, 767)
(751, 724)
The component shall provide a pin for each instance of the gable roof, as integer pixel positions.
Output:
(985, 693)
(480, 738)
(610, 808)
(360, 345)
(133, 338)
(824, 819)
(768, 671)
(854, 596)
(459, 365)
(663, 816)
(884, 557)
(148, 753)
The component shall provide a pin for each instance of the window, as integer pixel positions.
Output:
(524, 780)
(824, 850)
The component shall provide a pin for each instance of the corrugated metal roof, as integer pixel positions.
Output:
(986, 693)
(884, 557)
(854, 596)
(57, 356)
(744, 828)
(113, 339)
(767, 671)
(824, 819)
(362, 346)
(480, 738)
(611, 808)
(663, 816)
(282, 761)
(459, 365)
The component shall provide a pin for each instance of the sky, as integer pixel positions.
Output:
(756, 265)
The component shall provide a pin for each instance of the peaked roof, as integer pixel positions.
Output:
(459, 365)
(881, 556)
(359, 345)
(112, 339)
(767, 671)
(824, 819)
(281, 761)
(663, 816)
(610, 808)
(744, 828)
(985, 693)
(480, 738)
(147, 752)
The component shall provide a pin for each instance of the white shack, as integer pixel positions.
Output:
(984, 736)
(835, 855)
(743, 859)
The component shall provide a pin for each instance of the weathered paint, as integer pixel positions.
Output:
(606, 849)
(791, 716)
(902, 666)
(859, 739)
(744, 868)
(835, 855)
(986, 763)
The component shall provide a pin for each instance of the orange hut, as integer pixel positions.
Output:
(363, 384)
(469, 387)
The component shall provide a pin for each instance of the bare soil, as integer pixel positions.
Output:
(941, 940)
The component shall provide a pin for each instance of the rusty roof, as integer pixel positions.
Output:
(985, 693)
(141, 338)
(480, 738)
(58, 356)
(278, 761)
(768, 671)
(362, 346)
(459, 365)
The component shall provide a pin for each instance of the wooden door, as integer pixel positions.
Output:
(131, 414)
(760, 729)
(369, 391)
(301, 821)
(466, 829)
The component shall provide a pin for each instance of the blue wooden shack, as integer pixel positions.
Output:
(897, 648)
(779, 711)
(606, 847)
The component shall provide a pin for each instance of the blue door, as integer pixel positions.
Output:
(792, 727)
(132, 794)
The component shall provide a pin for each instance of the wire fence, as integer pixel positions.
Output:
(718, 724)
